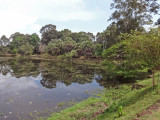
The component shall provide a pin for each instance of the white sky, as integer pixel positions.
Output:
(28, 16)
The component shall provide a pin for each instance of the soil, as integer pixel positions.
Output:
(149, 110)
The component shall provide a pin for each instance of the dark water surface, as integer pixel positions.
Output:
(34, 87)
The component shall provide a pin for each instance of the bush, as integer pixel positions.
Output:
(98, 50)
(26, 49)
(68, 56)
(14, 51)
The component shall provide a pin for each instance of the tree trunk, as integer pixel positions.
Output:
(153, 74)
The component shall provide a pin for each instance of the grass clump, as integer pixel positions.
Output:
(60, 104)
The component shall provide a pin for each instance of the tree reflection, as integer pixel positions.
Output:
(51, 72)
(65, 73)
(48, 84)
(4, 68)
(19, 67)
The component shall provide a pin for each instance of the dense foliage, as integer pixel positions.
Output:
(133, 14)
(137, 52)
(53, 42)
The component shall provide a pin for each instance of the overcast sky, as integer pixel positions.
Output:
(28, 16)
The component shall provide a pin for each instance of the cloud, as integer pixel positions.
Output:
(12, 85)
(22, 15)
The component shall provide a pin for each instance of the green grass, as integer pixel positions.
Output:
(154, 116)
(69, 113)
(122, 104)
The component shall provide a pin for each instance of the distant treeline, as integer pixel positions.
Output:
(53, 42)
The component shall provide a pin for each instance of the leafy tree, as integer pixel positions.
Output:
(4, 50)
(4, 41)
(86, 49)
(133, 14)
(26, 49)
(14, 51)
(117, 51)
(48, 32)
(80, 37)
(108, 37)
(64, 33)
(59, 47)
(112, 35)
(56, 47)
(101, 38)
(91, 36)
(34, 39)
(98, 50)
(145, 48)
(69, 44)
(136, 52)
(118, 65)
(18, 40)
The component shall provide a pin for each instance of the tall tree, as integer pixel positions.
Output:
(4, 41)
(108, 37)
(144, 48)
(101, 38)
(34, 39)
(91, 36)
(64, 33)
(48, 32)
(18, 40)
(80, 37)
(133, 14)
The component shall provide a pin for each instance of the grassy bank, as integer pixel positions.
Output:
(92, 61)
(121, 104)
(8, 55)
(45, 57)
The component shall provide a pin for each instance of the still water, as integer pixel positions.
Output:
(30, 88)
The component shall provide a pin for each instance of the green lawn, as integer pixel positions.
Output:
(119, 104)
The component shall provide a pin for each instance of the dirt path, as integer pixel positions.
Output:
(149, 110)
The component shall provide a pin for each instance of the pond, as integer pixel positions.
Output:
(30, 88)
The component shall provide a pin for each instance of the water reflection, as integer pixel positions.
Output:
(32, 85)
(15, 84)
(50, 72)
